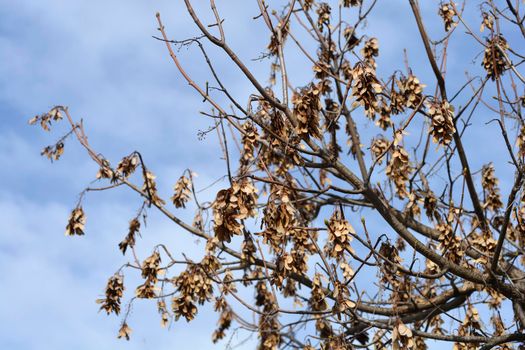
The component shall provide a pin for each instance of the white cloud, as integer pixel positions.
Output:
(50, 282)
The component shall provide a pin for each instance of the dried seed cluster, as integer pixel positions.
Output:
(412, 208)
(351, 42)
(384, 121)
(442, 122)
(390, 272)
(248, 251)
(127, 165)
(412, 90)
(317, 299)
(129, 241)
(76, 222)
(273, 46)
(269, 325)
(280, 217)
(365, 87)
(398, 170)
(348, 3)
(53, 152)
(370, 50)
(46, 119)
(223, 324)
(149, 271)
(306, 108)
(490, 185)
(447, 13)
(194, 285)
(250, 137)
(520, 142)
(163, 311)
(124, 331)
(494, 61)
(233, 204)
(484, 242)
(114, 292)
(105, 171)
(194, 282)
(450, 244)
(150, 189)
(430, 205)
(182, 192)
(487, 22)
(378, 148)
(402, 337)
(471, 325)
(398, 101)
(339, 235)
(323, 15)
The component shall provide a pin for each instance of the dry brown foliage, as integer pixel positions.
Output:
(319, 239)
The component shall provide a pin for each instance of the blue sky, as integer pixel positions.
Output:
(99, 58)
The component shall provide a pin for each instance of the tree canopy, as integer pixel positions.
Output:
(350, 213)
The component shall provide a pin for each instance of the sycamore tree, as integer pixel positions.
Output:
(350, 215)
